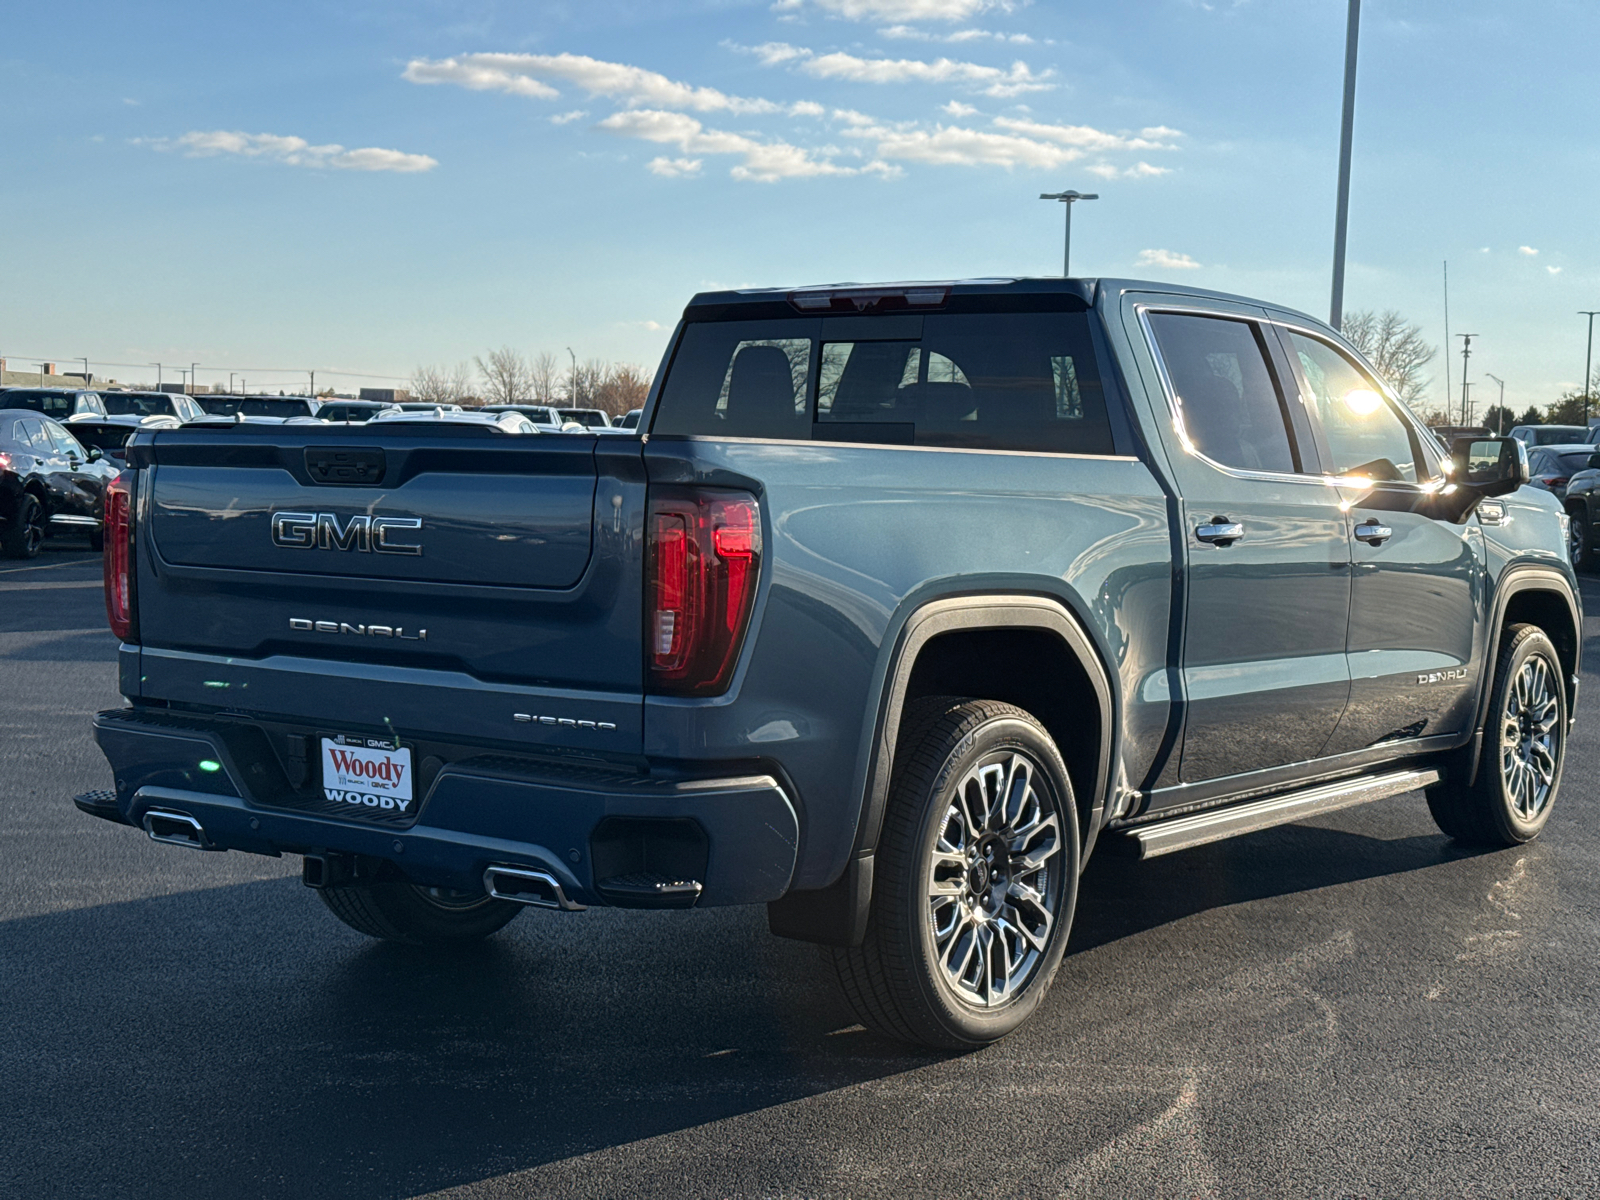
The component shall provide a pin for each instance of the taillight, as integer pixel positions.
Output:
(705, 555)
(5, 461)
(117, 559)
(1556, 480)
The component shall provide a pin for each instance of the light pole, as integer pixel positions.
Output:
(1466, 353)
(313, 384)
(157, 366)
(192, 376)
(87, 378)
(230, 383)
(1068, 199)
(572, 389)
(1587, 358)
(1502, 405)
(1352, 32)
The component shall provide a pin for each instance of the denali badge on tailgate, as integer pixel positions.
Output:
(321, 531)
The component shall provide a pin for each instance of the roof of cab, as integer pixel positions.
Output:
(1086, 289)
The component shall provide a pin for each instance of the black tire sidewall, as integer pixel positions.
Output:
(963, 1022)
(1584, 561)
(1527, 643)
(15, 542)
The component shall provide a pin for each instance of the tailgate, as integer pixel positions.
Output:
(474, 556)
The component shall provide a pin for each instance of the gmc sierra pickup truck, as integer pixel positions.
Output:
(903, 601)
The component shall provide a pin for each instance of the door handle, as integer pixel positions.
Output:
(1219, 532)
(1373, 533)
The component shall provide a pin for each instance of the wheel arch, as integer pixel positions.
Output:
(1531, 593)
(944, 643)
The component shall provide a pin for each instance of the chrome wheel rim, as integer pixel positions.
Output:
(33, 531)
(994, 880)
(1574, 539)
(1530, 737)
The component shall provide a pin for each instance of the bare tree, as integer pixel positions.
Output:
(506, 376)
(622, 387)
(583, 383)
(441, 385)
(1394, 346)
(544, 374)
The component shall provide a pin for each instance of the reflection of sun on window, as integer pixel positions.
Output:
(1362, 401)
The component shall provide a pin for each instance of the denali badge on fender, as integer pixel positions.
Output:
(321, 531)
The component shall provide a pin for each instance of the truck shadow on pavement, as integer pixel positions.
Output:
(237, 1041)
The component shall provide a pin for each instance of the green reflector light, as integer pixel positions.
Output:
(210, 764)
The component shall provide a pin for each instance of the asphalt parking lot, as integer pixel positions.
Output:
(1350, 1008)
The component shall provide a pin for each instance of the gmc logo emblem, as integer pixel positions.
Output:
(322, 531)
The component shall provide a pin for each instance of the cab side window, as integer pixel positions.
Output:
(1364, 432)
(1232, 412)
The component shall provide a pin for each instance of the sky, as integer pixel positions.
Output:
(365, 187)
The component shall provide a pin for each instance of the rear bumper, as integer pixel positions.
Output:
(475, 813)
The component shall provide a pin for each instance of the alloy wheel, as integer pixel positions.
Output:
(1575, 539)
(33, 532)
(994, 880)
(1530, 737)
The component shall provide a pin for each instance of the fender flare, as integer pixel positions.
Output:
(1515, 578)
(837, 914)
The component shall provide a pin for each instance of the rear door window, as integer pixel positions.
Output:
(1229, 402)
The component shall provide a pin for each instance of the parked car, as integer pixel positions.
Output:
(281, 407)
(49, 484)
(541, 415)
(110, 434)
(592, 418)
(151, 404)
(350, 410)
(915, 596)
(423, 406)
(630, 419)
(1582, 500)
(1549, 435)
(1550, 467)
(59, 403)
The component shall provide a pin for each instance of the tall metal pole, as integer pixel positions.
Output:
(1502, 418)
(572, 388)
(1448, 391)
(1587, 359)
(1466, 353)
(87, 378)
(1341, 219)
(193, 374)
(1068, 199)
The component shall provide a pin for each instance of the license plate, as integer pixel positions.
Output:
(368, 773)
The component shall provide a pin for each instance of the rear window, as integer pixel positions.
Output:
(123, 405)
(980, 381)
(103, 437)
(55, 404)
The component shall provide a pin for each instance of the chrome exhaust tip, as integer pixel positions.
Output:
(175, 829)
(524, 885)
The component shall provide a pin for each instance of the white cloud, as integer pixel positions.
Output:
(898, 10)
(1554, 270)
(913, 34)
(953, 146)
(527, 75)
(567, 118)
(1528, 250)
(1167, 260)
(1143, 170)
(291, 151)
(674, 168)
(957, 109)
(993, 81)
(1082, 136)
(761, 162)
(130, 102)
(806, 108)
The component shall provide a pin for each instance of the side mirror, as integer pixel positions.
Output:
(1490, 466)
(1594, 463)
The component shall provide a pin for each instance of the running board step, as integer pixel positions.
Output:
(1180, 833)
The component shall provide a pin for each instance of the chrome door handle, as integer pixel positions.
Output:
(1220, 532)
(1373, 533)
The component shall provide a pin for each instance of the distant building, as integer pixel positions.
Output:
(385, 395)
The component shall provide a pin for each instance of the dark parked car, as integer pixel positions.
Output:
(349, 410)
(110, 435)
(1549, 435)
(1550, 467)
(630, 419)
(151, 404)
(1582, 500)
(282, 407)
(913, 597)
(49, 483)
(592, 418)
(59, 403)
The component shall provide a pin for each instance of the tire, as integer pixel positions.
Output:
(1580, 539)
(25, 535)
(399, 911)
(934, 902)
(1524, 747)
